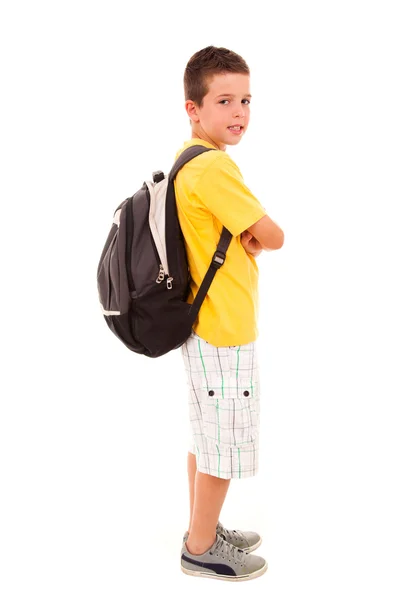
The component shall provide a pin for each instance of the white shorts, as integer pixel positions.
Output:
(224, 407)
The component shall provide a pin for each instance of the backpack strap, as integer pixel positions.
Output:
(216, 263)
(220, 254)
(185, 157)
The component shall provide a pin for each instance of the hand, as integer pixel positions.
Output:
(250, 244)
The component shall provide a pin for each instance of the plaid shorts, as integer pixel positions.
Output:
(224, 407)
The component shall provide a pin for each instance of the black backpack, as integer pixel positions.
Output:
(143, 275)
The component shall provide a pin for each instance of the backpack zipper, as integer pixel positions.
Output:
(161, 272)
(158, 247)
(161, 277)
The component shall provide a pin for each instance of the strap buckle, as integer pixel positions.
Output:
(218, 259)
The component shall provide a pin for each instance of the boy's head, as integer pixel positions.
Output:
(217, 95)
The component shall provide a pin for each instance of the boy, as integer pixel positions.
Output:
(220, 356)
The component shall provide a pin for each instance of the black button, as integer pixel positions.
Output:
(246, 393)
(211, 393)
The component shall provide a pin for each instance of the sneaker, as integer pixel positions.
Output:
(223, 561)
(245, 540)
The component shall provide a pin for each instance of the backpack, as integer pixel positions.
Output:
(143, 278)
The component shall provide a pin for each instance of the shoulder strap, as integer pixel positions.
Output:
(217, 261)
(185, 157)
(220, 254)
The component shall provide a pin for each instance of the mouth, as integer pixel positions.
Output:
(237, 129)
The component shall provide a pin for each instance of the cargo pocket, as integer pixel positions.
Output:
(230, 408)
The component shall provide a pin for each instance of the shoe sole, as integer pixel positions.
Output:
(225, 577)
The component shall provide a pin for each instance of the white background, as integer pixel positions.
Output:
(94, 497)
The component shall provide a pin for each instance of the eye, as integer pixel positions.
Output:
(244, 100)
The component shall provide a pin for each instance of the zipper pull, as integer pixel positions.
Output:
(161, 275)
(169, 283)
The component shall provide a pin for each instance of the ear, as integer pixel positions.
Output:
(192, 111)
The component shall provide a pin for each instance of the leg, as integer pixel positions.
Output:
(209, 496)
(192, 469)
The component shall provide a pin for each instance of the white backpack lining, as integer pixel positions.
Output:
(158, 195)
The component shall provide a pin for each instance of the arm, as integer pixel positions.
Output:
(269, 235)
(222, 191)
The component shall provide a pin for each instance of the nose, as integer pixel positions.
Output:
(239, 111)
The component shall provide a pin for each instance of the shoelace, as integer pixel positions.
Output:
(223, 532)
(223, 547)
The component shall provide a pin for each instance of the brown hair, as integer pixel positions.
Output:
(206, 63)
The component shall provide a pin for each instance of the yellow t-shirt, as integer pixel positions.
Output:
(210, 193)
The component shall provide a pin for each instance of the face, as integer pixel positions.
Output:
(225, 105)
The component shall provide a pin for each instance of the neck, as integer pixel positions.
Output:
(203, 136)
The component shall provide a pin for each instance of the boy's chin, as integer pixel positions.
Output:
(231, 142)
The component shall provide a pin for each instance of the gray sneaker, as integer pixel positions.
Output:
(223, 561)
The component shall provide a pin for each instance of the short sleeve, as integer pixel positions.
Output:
(222, 190)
